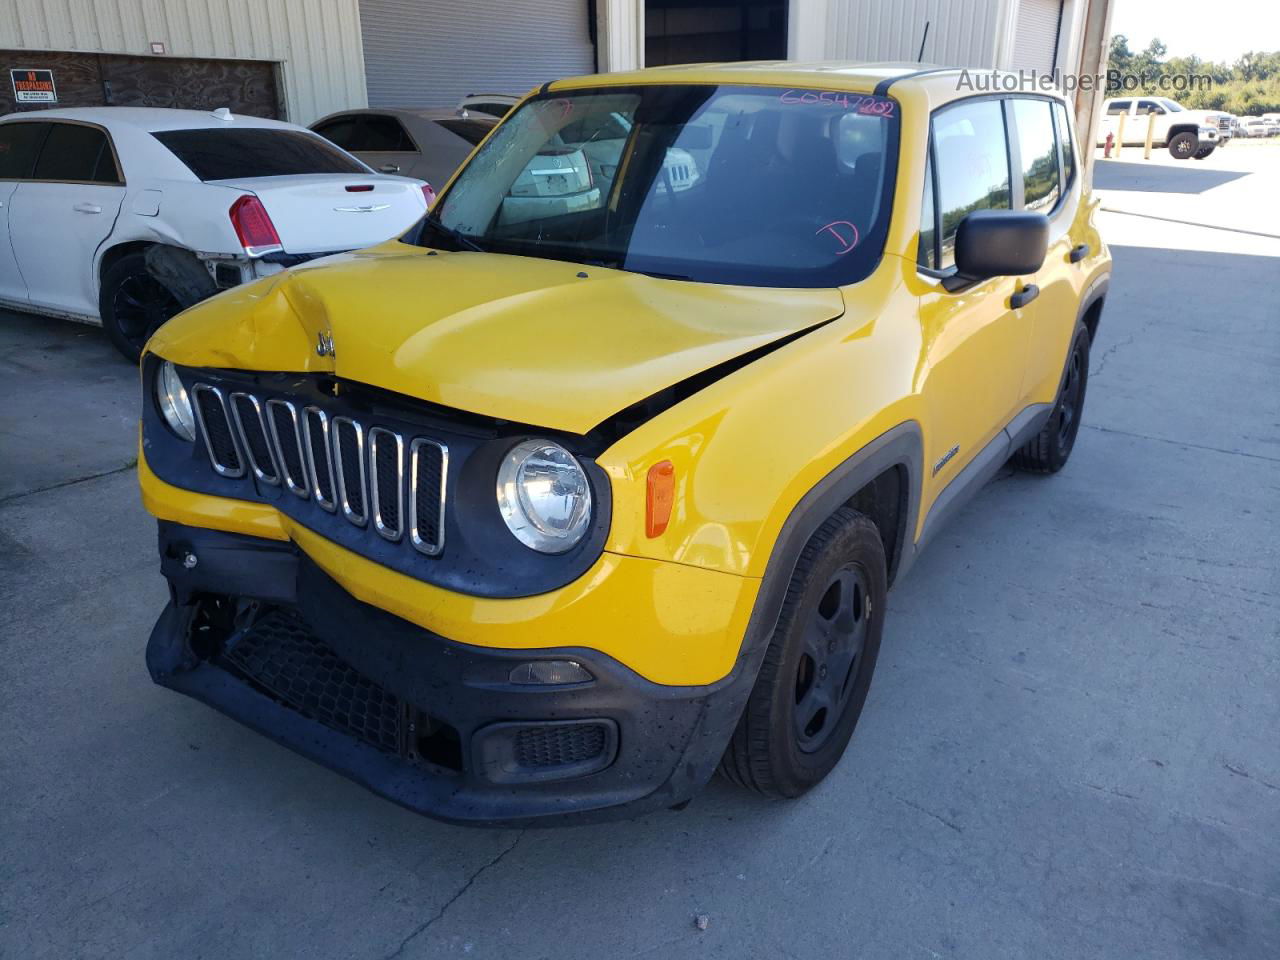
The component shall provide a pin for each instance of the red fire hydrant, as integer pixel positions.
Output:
(1106, 150)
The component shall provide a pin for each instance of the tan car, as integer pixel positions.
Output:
(428, 144)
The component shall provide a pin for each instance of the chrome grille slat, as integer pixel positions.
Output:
(269, 472)
(289, 449)
(215, 426)
(315, 429)
(387, 513)
(351, 490)
(428, 470)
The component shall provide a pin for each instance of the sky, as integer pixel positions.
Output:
(1222, 30)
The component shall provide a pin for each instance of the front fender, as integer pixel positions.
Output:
(751, 447)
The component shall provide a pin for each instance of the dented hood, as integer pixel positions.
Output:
(543, 342)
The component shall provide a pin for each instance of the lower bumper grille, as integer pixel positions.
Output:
(280, 655)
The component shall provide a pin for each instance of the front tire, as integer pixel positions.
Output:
(133, 305)
(1183, 145)
(1205, 151)
(1049, 450)
(817, 670)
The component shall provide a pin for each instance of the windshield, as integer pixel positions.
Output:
(1171, 105)
(724, 184)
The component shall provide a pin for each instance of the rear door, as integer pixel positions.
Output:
(384, 144)
(19, 146)
(59, 218)
(379, 140)
(1047, 180)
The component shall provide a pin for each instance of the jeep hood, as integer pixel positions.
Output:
(543, 342)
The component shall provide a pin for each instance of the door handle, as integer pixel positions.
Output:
(1024, 296)
(1079, 253)
(390, 168)
(87, 208)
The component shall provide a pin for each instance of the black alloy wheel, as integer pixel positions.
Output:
(133, 305)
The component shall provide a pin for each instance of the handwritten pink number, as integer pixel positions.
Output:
(841, 236)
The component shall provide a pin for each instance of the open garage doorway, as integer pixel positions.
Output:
(700, 31)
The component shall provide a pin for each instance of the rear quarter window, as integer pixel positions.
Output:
(213, 154)
(472, 131)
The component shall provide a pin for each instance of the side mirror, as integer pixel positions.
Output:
(999, 243)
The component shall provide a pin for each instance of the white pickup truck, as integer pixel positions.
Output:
(1186, 133)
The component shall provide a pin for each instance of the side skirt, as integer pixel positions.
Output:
(982, 468)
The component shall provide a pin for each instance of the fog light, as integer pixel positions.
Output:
(551, 672)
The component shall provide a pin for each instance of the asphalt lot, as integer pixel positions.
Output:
(1070, 748)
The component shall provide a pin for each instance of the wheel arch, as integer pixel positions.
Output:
(882, 480)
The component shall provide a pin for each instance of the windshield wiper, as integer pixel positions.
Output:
(461, 239)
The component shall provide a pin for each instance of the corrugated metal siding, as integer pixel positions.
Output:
(317, 42)
(962, 33)
(420, 57)
(1036, 35)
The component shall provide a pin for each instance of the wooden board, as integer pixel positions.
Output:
(246, 87)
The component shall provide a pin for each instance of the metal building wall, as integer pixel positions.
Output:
(317, 42)
(432, 54)
(962, 33)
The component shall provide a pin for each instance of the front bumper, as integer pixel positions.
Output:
(260, 632)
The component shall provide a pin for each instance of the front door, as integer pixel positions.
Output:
(59, 218)
(973, 341)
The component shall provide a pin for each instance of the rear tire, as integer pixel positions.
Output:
(817, 670)
(1183, 145)
(133, 305)
(1049, 450)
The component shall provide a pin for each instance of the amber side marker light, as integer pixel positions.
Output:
(660, 496)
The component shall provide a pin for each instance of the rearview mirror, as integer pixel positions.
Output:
(1000, 243)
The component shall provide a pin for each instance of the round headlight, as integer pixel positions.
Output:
(174, 403)
(544, 496)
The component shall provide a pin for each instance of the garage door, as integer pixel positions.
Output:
(432, 55)
(1035, 43)
(106, 80)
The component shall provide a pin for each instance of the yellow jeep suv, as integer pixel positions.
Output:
(595, 482)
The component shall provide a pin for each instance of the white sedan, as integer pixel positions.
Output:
(126, 215)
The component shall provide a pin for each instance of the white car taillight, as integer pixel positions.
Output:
(429, 194)
(253, 227)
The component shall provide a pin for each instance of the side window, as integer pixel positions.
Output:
(973, 165)
(1118, 107)
(380, 133)
(1068, 148)
(19, 144)
(73, 151)
(1149, 106)
(928, 254)
(1038, 151)
(340, 131)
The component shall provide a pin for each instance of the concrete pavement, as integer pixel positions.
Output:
(1070, 748)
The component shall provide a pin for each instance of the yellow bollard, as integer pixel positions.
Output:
(1120, 135)
(1151, 131)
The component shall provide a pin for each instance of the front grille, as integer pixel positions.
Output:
(280, 655)
(558, 746)
(215, 424)
(371, 474)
